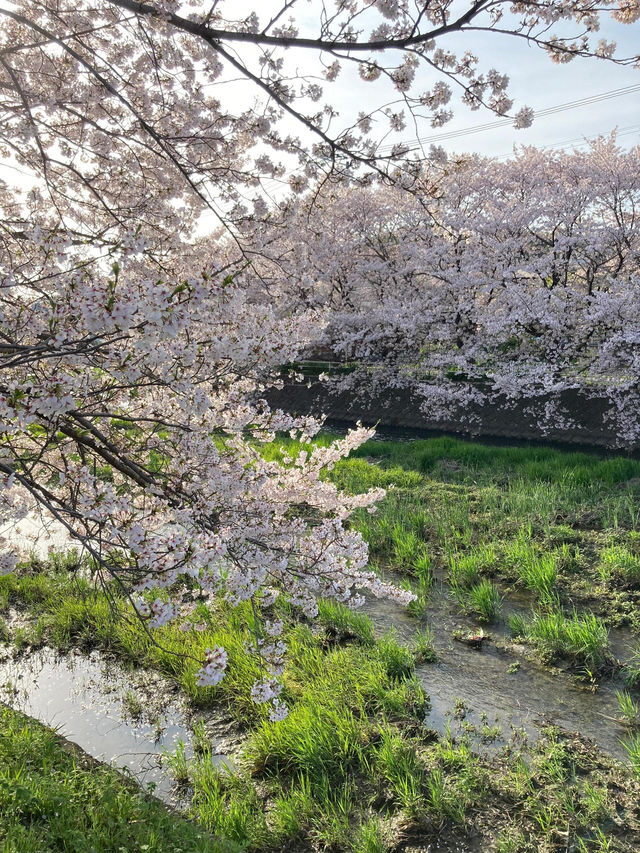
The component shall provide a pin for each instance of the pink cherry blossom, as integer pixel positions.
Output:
(151, 291)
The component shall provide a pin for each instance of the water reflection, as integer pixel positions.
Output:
(128, 719)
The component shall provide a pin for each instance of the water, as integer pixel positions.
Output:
(493, 690)
(128, 719)
(35, 534)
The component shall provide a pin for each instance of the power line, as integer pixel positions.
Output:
(5, 164)
(577, 141)
(272, 184)
(417, 143)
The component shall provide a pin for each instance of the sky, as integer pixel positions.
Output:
(535, 81)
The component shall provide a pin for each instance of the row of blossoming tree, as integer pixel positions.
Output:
(488, 280)
(131, 353)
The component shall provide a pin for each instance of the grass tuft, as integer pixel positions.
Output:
(632, 746)
(485, 601)
(345, 623)
(581, 638)
(618, 563)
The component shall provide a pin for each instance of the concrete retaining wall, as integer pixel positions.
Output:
(400, 409)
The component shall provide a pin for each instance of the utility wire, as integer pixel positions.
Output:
(416, 144)
(273, 184)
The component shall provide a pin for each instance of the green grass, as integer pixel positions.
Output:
(421, 586)
(581, 638)
(535, 569)
(346, 624)
(629, 709)
(486, 519)
(485, 601)
(354, 768)
(351, 765)
(52, 798)
(632, 746)
(618, 563)
(631, 670)
(423, 646)
(482, 599)
(464, 571)
(533, 463)
(560, 527)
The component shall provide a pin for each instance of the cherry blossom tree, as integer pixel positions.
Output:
(132, 353)
(490, 279)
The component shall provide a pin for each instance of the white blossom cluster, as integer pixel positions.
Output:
(492, 281)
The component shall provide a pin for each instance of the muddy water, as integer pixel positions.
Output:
(498, 684)
(127, 719)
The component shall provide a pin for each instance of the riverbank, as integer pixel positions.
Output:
(499, 713)
(55, 797)
(399, 409)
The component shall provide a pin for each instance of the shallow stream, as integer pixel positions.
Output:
(500, 683)
(131, 718)
(495, 693)
(128, 719)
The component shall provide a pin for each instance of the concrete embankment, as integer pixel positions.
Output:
(503, 419)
